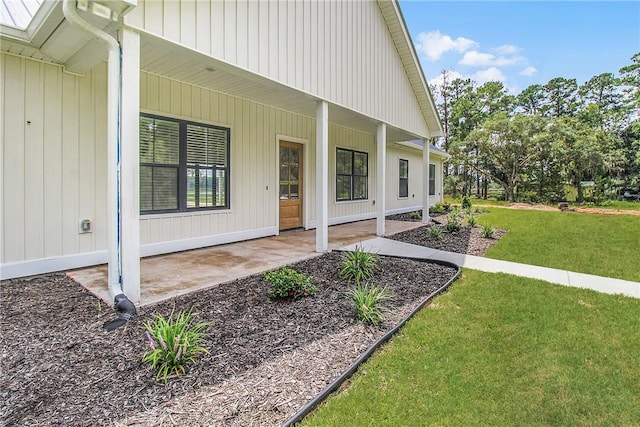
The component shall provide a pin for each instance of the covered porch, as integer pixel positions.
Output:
(166, 276)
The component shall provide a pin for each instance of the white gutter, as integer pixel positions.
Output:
(113, 143)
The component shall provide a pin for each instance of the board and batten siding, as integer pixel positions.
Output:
(339, 51)
(53, 172)
(394, 202)
(54, 168)
(254, 132)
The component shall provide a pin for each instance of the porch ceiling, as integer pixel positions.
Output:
(166, 59)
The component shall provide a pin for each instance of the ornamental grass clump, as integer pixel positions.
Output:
(367, 300)
(453, 223)
(471, 220)
(289, 283)
(174, 342)
(487, 231)
(435, 233)
(358, 265)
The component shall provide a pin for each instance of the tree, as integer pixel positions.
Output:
(603, 101)
(561, 97)
(582, 149)
(508, 146)
(531, 100)
(630, 76)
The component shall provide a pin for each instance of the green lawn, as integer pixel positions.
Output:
(605, 245)
(501, 350)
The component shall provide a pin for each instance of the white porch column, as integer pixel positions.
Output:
(425, 180)
(130, 165)
(322, 176)
(381, 143)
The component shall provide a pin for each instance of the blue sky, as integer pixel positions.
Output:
(522, 43)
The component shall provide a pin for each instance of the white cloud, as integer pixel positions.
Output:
(474, 58)
(529, 71)
(451, 76)
(506, 49)
(433, 44)
(491, 74)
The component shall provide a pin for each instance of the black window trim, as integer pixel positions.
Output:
(352, 151)
(432, 188)
(182, 167)
(401, 179)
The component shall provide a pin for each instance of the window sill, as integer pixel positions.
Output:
(344, 202)
(183, 214)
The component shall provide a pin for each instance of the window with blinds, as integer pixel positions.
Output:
(183, 165)
(352, 175)
(403, 169)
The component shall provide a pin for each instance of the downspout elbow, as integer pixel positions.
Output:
(71, 14)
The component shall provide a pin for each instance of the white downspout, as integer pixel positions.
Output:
(113, 143)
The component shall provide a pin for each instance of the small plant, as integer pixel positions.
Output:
(288, 283)
(466, 202)
(415, 215)
(435, 233)
(438, 208)
(453, 223)
(471, 220)
(174, 342)
(358, 265)
(367, 300)
(487, 231)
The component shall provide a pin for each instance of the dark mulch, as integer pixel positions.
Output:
(59, 367)
(468, 240)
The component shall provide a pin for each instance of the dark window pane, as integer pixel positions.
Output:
(146, 188)
(359, 187)
(284, 172)
(191, 188)
(432, 180)
(360, 166)
(159, 141)
(165, 188)
(284, 191)
(343, 162)
(343, 187)
(404, 188)
(404, 168)
(293, 191)
(293, 173)
(221, 188)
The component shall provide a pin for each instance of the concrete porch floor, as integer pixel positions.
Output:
(166, 276)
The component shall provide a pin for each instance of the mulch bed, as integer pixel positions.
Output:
(468, 240)
(59, 367)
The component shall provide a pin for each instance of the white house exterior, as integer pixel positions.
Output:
(226, 121)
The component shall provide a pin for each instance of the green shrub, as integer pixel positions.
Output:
(438, 208)
(487, 231)
(415, 215)
(435, 233)
(358, 265)
(288, 283)
(367, 300)
(453, 223)
(466, 202)
(471, 220)
(174, 342)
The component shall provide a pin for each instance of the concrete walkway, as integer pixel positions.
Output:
(602, 284)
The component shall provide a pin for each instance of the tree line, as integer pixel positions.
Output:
(535, 145)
